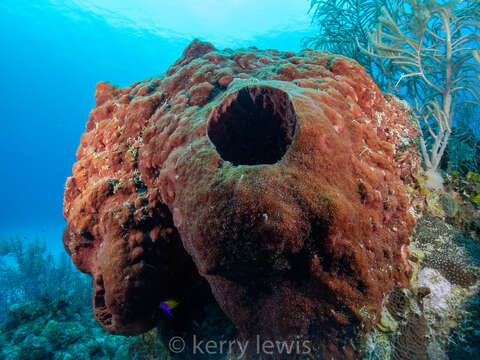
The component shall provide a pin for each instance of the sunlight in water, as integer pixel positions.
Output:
(226, 23)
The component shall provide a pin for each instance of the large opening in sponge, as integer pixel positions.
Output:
(252, 126)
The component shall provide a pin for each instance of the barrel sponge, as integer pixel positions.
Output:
(277, 177)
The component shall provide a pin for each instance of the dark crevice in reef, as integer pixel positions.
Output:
(198, 316)
(253, 126)
(102, 314)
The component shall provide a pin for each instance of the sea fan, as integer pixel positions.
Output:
(343, 27)
(433, 44)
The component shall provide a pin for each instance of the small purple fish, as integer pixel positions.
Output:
(168, 306)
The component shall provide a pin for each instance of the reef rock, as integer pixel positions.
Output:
(277, 177)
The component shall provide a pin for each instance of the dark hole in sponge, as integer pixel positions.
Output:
(253, 126)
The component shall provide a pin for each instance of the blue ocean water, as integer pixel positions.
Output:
(53, 54)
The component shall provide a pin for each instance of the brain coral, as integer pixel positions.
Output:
(276, 177)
